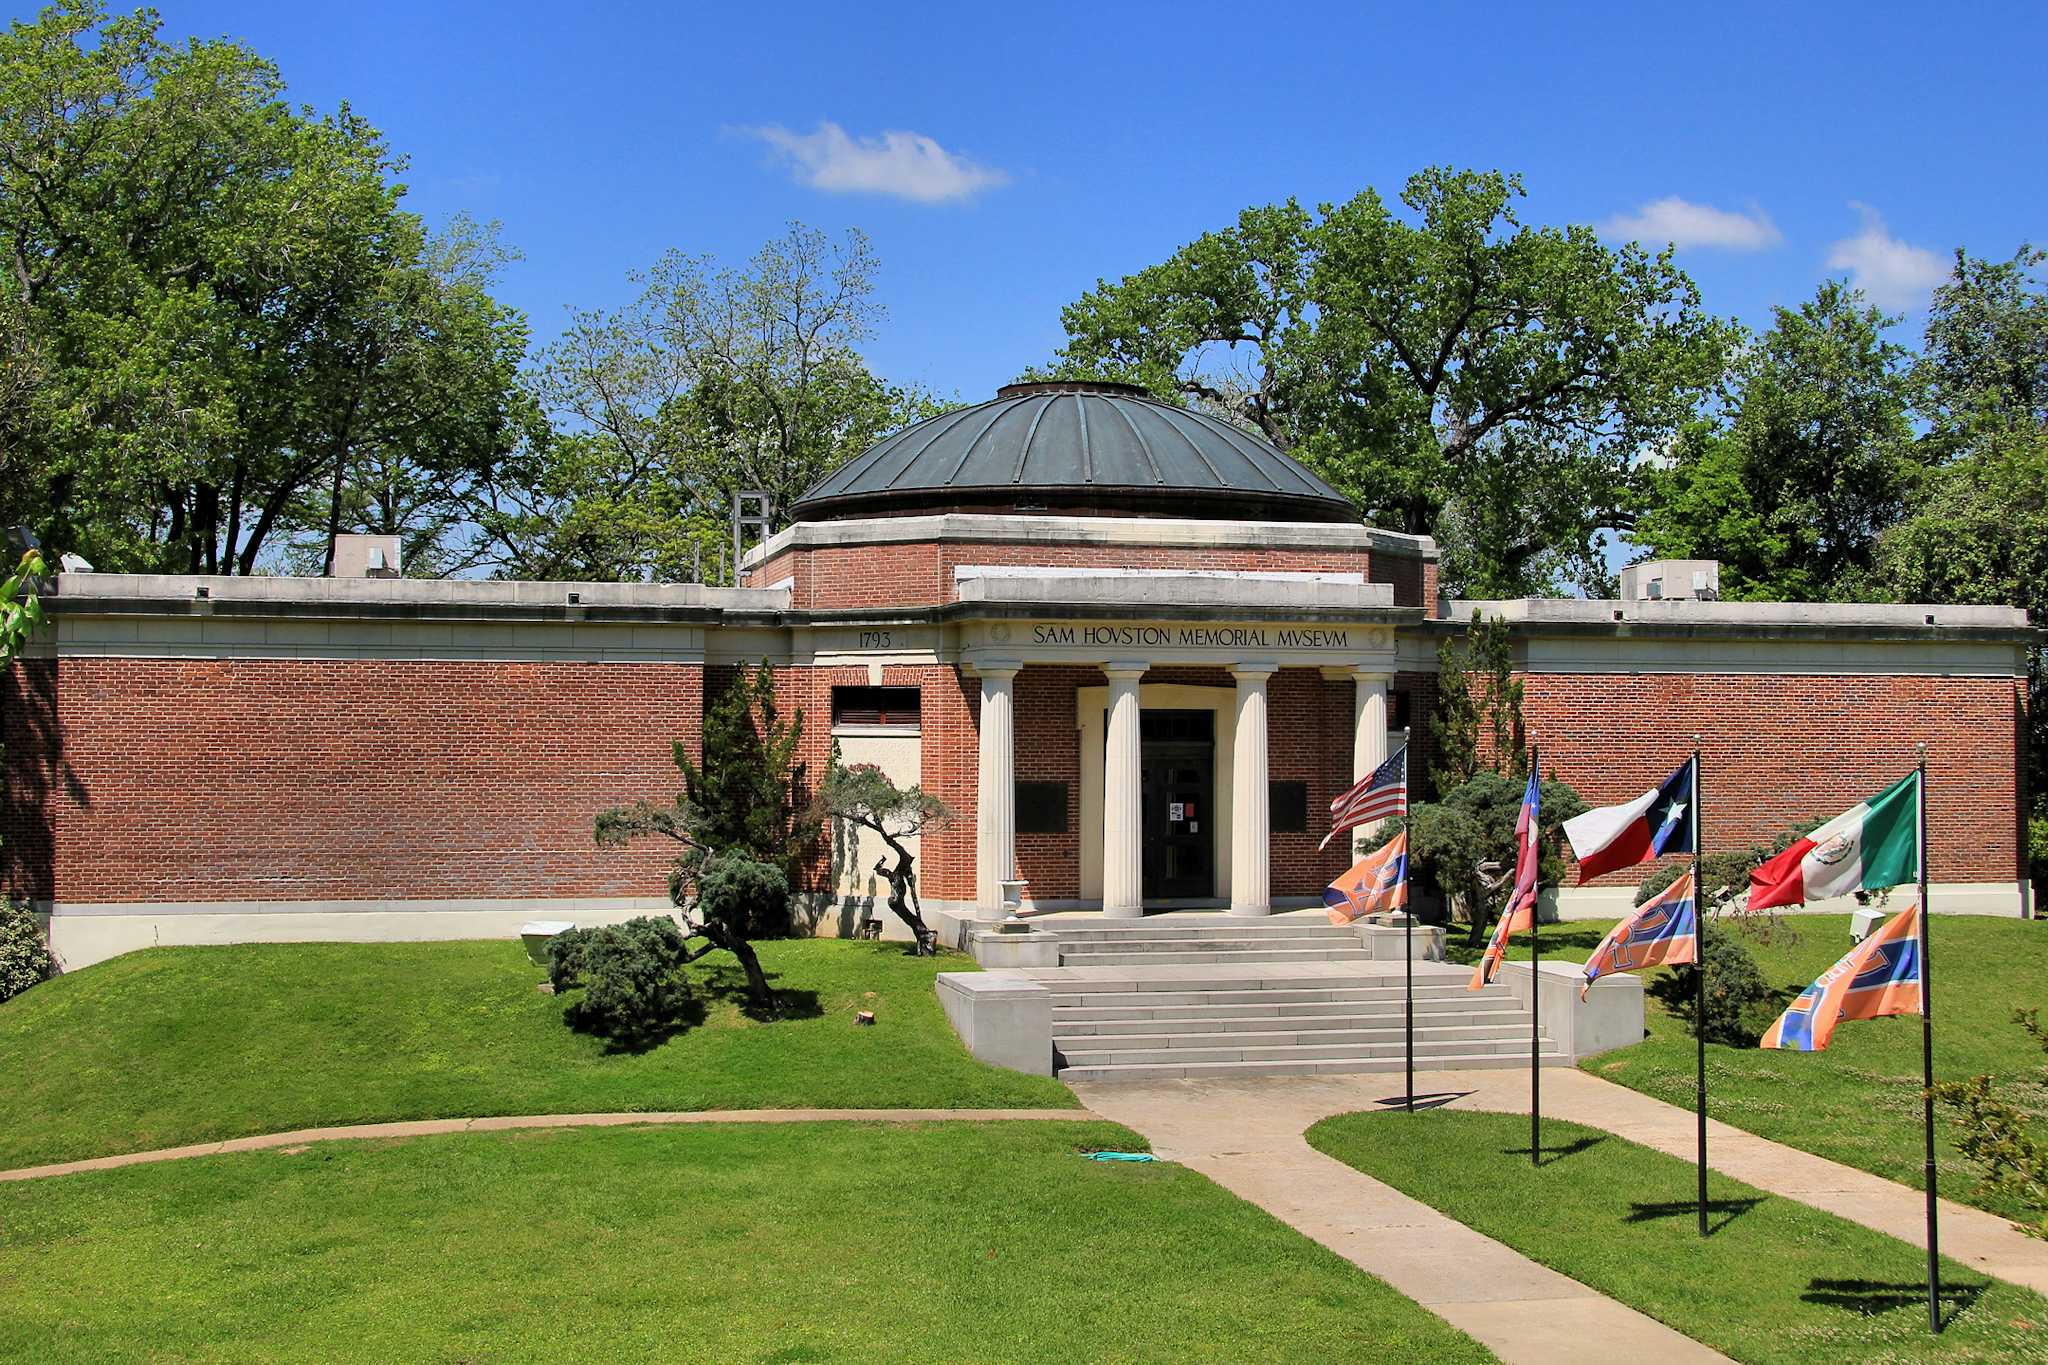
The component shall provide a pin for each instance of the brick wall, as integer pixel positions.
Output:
(267, 779)
(1779, 750)
(922, 574)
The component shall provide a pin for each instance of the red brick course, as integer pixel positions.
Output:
(1783, 749)
(835, 576)
(269, 779)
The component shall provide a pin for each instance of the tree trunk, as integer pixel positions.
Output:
(899, 895)
(758, 991)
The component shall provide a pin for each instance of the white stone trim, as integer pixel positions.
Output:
(965, 572)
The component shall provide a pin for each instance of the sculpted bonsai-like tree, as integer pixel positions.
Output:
(863, 795)
(744, 828)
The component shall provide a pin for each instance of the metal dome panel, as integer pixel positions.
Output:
(1109, 447)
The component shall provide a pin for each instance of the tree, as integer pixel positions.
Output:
(742, 821)
(1978, 529)
(710, 382)
(24, 956)
(225, 302)
(863, 795)
(1473, 824)
(1452, 370)
(1465, 712)
(1817, 460)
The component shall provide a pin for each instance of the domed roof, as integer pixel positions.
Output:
(1075, 448)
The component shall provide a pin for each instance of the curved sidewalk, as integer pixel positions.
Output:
(1247, 1137)
(432, 1127)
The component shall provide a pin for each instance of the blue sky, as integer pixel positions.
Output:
(1088, 141)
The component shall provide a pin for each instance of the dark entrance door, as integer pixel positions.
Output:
(1178, 765)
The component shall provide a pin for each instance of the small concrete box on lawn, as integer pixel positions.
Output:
(536, 934)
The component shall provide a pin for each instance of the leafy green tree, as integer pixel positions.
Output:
(224, 305)
(710, 382)
(1817, 459)
(1978, 529)
(1473, 824)
(1453, 370)
(743, 821)
(864, 796)
(1478, 696)
(24, 955)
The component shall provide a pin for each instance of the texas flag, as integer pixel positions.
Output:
(1659, 821)
(1879, 976)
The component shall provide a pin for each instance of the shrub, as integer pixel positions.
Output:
(24, 956)
(746, 896)
(1740, 1002)
(631, 974)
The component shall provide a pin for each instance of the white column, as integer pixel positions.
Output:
(1251, 843)
(1123, 844)
(995, 819)
(1369, 733)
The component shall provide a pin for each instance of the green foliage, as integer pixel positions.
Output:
(1454, 722)
(1474, 823)
(1997, 1135)
(1724, 876)
(748, 795)
(1453, 370)
(1740, 1003)
(748, 898)
(711, 381)
(223, 332)
(1483, 663)
(1817, 459)
(863, 796)
(631, 976)
(24, 956)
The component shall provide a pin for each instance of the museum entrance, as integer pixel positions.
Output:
(1178, 782)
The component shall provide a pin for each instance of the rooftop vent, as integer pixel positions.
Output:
(366, 557)
(1672, 579)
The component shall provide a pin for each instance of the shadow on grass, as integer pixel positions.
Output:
(635, 1041)
(1551, 1155)
(1686, 1208)
(1433, 1100)
(1557, 938)
(1871, 1297)
(725, 982)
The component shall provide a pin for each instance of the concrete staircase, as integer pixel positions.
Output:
(1211, 997)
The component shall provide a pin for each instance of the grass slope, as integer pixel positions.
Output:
(1777, 1281)
(176, 1045)
(1857, 1102)
(748, 1243)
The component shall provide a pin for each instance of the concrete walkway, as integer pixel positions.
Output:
(1246, 1135)
(1973, 1237)
(432, 1127)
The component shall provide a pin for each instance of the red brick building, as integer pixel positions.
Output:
(1136, 650)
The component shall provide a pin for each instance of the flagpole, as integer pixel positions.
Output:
(1535, 981)
(1927, 1071)
(1699, 975)
(1407, 945)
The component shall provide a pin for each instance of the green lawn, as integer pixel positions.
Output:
(727, 1242)
(1857, 1102)
(176, 1045)
(1777, 1281)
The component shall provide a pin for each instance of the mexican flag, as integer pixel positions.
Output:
(1875, 845)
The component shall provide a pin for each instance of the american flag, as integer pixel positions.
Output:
(1381, 793)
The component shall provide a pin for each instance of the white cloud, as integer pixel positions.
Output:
(1892, 273)
(907, 165)
(1684, 223)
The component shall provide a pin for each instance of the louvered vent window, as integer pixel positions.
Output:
(891, 707)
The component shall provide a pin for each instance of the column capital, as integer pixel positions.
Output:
(1370, 675)
(1253, 668)
(1125, 670)
(998, 668)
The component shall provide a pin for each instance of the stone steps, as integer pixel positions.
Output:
(1181, 1048)
(1253, 929)
(1302, 1066)
(1186, 952)
(1163, 994)
(1090, 1023)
